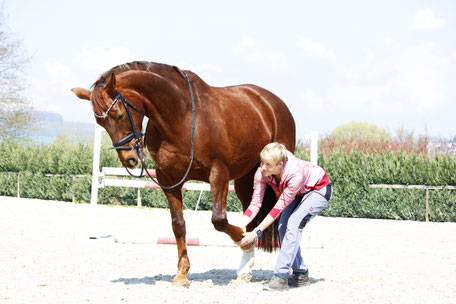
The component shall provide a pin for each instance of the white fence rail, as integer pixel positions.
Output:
(100, 179)
(423, 187)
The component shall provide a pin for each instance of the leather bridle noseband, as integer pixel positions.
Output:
(137, 135)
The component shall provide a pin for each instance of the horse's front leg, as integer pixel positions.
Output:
(244, 191)
(218, 179)
(175, 206)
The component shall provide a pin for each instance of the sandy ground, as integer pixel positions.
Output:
(46, 256)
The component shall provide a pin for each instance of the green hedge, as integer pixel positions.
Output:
(351, 174)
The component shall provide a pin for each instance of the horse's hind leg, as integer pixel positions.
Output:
(244, 188)
(183, 266)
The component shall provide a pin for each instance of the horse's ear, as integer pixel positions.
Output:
(111, 84)
(81, 93)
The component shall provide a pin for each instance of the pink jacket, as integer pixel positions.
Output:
(297, 177)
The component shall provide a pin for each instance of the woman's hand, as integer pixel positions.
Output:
(248, 237)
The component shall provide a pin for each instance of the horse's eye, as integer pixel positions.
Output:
(120, 117)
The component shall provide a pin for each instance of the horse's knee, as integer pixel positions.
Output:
(220, 222)
(178, 225)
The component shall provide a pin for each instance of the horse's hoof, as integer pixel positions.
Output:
(244, 277)
(181, 282)
(249, 248)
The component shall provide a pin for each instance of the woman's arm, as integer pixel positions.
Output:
(249, 237)
(245, 220)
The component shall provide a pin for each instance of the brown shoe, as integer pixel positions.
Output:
(277, 283)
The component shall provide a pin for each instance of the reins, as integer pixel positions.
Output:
(119, 145)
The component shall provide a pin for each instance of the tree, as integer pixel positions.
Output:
(359, 131)
(15, 115)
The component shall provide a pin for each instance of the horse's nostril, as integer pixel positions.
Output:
(132, 162)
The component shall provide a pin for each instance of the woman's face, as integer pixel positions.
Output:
(270, 169)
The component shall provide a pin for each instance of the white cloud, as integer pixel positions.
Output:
(311, 98)
(99, 59)
(315, 49)
(368, 56)
(271, 59)
(211, 67)
(414, 85)
(388, 41)
(308, 101)
(248, 50)
(56, 69)
(427, 20)
(418, 76)
(357, 96)
(247, 43)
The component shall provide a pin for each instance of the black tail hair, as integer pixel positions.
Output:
(270, 239)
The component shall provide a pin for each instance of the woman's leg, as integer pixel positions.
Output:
(301, 213)
(284, 217)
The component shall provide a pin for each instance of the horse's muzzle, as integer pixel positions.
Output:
(132, 162)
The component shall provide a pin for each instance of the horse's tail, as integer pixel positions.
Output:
(270, 239)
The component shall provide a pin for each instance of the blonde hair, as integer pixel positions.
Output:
(273, 153)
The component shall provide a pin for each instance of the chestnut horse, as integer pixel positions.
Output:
(195, 132)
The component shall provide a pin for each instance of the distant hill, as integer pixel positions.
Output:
(51, 125)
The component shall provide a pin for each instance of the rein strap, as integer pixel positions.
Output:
(119, 145)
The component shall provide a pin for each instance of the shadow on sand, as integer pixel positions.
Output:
(219, 277)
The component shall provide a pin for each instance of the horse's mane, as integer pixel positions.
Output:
(132, 66)
(135, 65)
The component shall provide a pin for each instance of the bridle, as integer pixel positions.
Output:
(137, 135)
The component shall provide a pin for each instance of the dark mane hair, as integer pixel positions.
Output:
(135, 65)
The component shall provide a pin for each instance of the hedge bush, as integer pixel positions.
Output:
(350, 170)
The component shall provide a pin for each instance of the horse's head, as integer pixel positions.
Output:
(121, 114)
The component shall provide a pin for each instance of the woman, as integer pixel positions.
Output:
(305, 189)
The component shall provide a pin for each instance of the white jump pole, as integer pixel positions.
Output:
(95, 182)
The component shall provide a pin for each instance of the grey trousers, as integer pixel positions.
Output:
(293, 219)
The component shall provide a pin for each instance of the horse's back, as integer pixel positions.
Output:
(251, 106)
(242, 120)
(262, 110)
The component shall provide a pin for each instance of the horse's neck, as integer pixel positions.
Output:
(165, 102)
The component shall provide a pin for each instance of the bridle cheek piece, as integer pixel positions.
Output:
(137, 135)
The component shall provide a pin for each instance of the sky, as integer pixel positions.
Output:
(388, 62)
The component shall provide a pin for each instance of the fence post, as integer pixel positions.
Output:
(95, 181)
(18, 184)
(313, 136)
(199, 200)
(139, 203)
(427, 204)
(73, 199)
